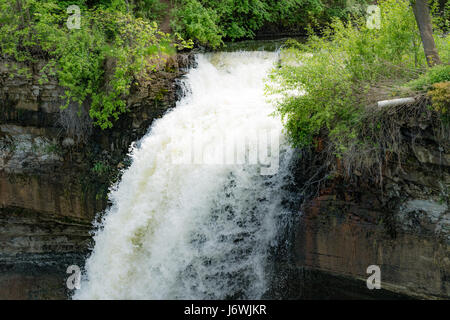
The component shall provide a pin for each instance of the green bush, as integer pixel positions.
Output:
(150, 9)
(439, 73)
(31, 29)
(210, 22)
(240, 18)
(292, 13)
(195, 21)
(337, 73)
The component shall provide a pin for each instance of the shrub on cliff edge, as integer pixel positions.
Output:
(31, 29)
(330, 85)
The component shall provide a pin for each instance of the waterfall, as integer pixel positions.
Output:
(187, 220)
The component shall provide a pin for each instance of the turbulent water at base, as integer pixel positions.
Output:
(192, 230)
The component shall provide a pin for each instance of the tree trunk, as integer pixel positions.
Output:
(423, 18)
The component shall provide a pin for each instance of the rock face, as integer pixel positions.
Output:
(52, 183)
(402, 226)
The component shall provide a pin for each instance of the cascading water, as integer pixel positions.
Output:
(196, 230)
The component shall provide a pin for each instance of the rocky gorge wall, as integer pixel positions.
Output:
(53, 184)
(401, 225)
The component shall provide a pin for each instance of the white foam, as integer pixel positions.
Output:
(194, 231)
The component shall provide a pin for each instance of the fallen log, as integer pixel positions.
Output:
(396, 102)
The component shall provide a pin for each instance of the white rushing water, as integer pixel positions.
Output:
(181, 230)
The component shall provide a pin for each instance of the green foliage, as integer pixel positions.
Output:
(209, 22)
(440, 11)
(290, 13)
(150, 9)
(240, 18)
(439, 73)
(98, 61)
(443, 47)
(195, 21)
(336, 73)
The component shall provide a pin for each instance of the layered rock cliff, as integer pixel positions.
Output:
(401, 225)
